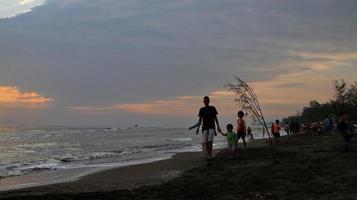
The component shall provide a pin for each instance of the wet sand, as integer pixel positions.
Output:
(308, 167)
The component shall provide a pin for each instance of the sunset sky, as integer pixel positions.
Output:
(150, 62)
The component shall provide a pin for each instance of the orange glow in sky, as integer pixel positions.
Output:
(13, 97)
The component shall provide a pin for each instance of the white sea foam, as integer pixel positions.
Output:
(39, 151)
(98, 155)
(180, 139)
(11, 8)
(38, 145)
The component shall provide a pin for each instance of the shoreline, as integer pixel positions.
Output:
(64, 176)
(134, 177)
(168, 168)
(128, 177)
(309, 167)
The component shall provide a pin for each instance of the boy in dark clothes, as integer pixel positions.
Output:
(345, 130)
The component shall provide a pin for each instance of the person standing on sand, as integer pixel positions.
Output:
(241, 128)
(208, 118)
(276, 132)
(231, 140)
(272, 129)
(344, 129)
(250, 134)
(328, 125)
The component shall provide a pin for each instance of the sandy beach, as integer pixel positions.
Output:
(308, 167)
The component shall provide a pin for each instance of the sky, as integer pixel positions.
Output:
(150, 62)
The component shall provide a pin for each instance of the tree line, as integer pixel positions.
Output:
(344, 100)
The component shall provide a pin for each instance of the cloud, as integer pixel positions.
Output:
(157, 57)
(323, 60)
(91, 110)
(177, 107)
(26, 1)
(13, 97)
(278, 98)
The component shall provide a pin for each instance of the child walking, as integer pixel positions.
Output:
(231, 139)
(276, 133)
(250, 134)
(241, 128)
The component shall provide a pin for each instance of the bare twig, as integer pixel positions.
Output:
(247, 99)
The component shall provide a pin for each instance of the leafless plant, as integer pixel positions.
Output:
(247, 99)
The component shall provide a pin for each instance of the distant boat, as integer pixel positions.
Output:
(136, 126)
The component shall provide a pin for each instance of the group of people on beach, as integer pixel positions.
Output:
(320, 127)
(342, 125)
(209, 122)
(292, 127)
(208, 119)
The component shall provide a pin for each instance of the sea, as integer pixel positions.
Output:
(42, 156)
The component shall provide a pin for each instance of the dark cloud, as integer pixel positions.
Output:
(97, 53)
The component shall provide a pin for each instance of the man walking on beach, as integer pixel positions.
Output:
(208, 118)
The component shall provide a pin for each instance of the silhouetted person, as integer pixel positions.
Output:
(344, 129)
(250, 134)
(208, 118)
(276, 133)
(272, 128)
(241, 128)
(328, 125)
(231, 139)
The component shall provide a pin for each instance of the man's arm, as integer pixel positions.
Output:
(198, 125)
(218, 127)
(194, 126)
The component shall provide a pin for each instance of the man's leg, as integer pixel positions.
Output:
(210, 146)
(204, 143)
(210, 138)
(204, 149)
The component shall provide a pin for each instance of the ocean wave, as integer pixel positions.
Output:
(67, 158)
(180, 139)
(51, 164)
(91, 156)
(38, 145)
(18, 169)
(100, 155)
(77, 159)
